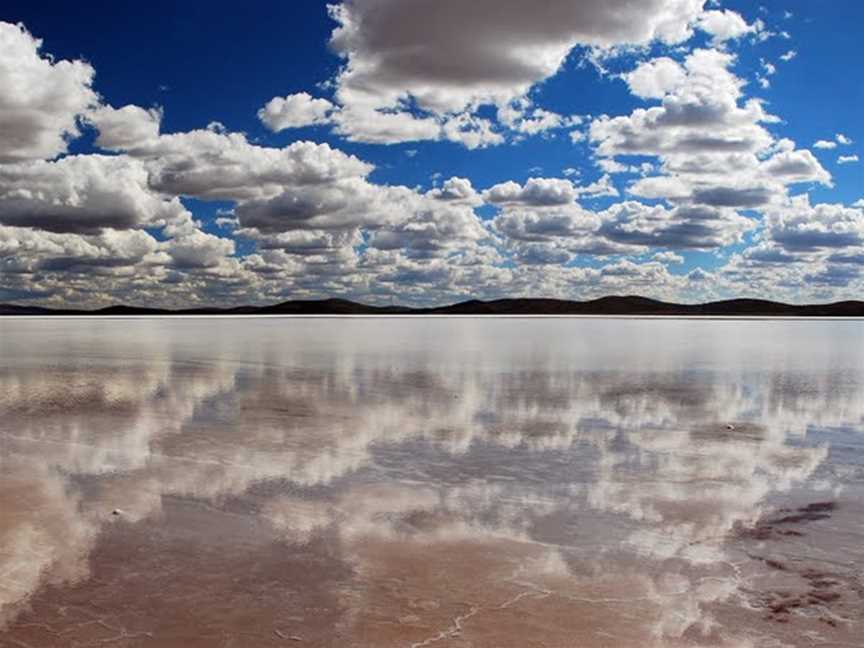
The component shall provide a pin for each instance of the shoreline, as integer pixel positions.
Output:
(737, 318)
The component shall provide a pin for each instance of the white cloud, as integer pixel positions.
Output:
(82, 193)
(598, 188)
(366, 124)
(800, 227)
(430, 233)
(725, 25)
(349, 203)
(471, 131)
(668, 257)
(847, 159)
(319, 224)
(125, 128)
(825, 144)
(701, 115)
(768, 69)
(295, 111)
(456, 190)
(796, 166)
(609, 165)
(40, 99)
(577, 136)
(550, 236)
(713, 149)
(35, 250)
(421, 72)
(325, 224)
(656, 78)
(197, 249)
(522, 117)
(788, 56)
(842, 139)
(686, 227)
(448, 57)
(215, 165)
(537, 192)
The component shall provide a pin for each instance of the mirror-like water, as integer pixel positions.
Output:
(431, 482)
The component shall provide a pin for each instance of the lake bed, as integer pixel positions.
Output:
(486, 482)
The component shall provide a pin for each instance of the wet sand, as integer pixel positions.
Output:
(485, 483)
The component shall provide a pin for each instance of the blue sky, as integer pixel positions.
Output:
(425, 152)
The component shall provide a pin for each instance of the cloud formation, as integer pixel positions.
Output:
(41, 99)
(447, 60)
(99, 202)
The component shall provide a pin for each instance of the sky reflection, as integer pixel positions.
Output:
(587, 463)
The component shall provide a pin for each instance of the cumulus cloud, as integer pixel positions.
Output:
(705, 171)
(331, 221)
(456, 189)
(541, 226)
(31, 251)
(197, 249)
(668, 257)
(471, 131)
(536, 191)
(448, 56)
(432, 232)
(697, 227)
(346, 204)
(713, 147)
(82, 193)
(363, 124)
(295, 111)
(421, 72)
(804, 249)
(656, 78)
(599, 188)
(546, 192)
(796, 166)
(125, 128)
(41, 100)
(847, 159)
(215, 165)
(550, 237)
(802, 227)
(725, 25)
(520, 116)
(699, 114)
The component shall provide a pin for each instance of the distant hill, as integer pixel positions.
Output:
(613, 305)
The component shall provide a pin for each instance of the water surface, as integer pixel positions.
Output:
(431, 482)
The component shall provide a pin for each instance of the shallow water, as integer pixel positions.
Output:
(431, 482)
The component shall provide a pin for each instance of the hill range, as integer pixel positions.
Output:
(613, 305)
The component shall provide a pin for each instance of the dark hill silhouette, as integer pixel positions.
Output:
(612, 305)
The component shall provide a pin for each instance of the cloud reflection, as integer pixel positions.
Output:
(532, 455)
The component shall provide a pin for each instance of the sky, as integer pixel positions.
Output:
(430, 151)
